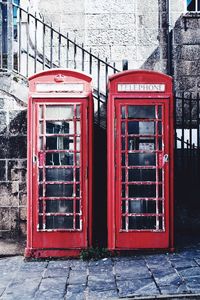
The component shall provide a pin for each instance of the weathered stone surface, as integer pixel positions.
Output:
(137, 287)
(77, 277)
(56, 272)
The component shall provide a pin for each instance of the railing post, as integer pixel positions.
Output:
(1, 36)
(9, 35)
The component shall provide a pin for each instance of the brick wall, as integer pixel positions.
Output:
(12, 166)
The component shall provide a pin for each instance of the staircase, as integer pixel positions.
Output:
(31, 46)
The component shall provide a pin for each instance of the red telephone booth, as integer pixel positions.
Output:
(140, 161)
(60, 120)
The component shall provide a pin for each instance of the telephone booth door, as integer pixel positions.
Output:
(59, 160)
(141, 197)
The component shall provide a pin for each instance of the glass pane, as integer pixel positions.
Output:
(59, 174)
(141, 159)
(77, 222)
(160, 191)
(159, 128)
(40, 222)
(40, 190)
(123, 206)
(78, 190)
(40, 174)
(123, 223)
(41, 128)
(78, 127)
(123, 159)
(159, 112)
(41, 143)
(58, 143)
(78, 111)
(40, 206)
(59, 222)
(145, 128)
(41, 112)
(56, 127)
(56, 159)
(123, 175)
(141, 111)
(123, 143)
(59, 206)
(77, 174)
(160, 144)
(123, 112)
(123, 126)
(142, 223)
(77, 159)
(142, 206)
(198, 8)
(78, 144)
(142, 191)
(123, 190)
(191, 5)
(77, 206)
(142, 175)
(59, 112)
(59, 190)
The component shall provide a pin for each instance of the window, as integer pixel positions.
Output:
(193, 5)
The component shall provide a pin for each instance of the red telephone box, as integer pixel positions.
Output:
(140, 161)
(60, 120)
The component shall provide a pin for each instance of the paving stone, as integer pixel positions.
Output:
(170, 279)
(189, 272)
(79, 265)
(56, 272)
(193, 282)
(21, 287)
(101, 285)
(77, 288)
(100, 266)
(59, 264)
(51, 288)
(132, 273)
(161, 272)
(102, 295)
(101, 277)
(74, 296)
(137, 287)
(173, 289)
(77, 277)
(180, 263)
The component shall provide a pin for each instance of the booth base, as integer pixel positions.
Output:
(47, 253)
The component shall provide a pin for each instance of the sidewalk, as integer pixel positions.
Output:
(158, 276)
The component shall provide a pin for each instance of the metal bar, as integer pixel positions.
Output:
(51, 46)
(59, 49)
(90, 61)
(27, 44)
(43, 46)
(67, 38)
(106, 77)
(67, 53)
(198, 123)
(75, 53)
(190, 120)
(35, 52)
(83, 57)
(10, 35)
(182, 119)
(74, 170)
(19, 40)
(98, 90)
(1, 36)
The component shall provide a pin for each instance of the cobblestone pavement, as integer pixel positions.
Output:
(136, 276)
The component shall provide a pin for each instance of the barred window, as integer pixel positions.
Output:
(193, 5)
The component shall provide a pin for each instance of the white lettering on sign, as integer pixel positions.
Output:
(140, 87)
(59, 87)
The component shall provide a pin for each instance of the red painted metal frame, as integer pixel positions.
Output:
(59, 243)
(138, 239)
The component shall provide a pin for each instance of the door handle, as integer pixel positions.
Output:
(165, 158)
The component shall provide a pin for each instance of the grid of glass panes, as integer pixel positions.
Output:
(142, 189)
(59, 153)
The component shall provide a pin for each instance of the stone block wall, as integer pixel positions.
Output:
(13, 131)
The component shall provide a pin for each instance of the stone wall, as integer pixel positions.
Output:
(13, 132)
(186, 53)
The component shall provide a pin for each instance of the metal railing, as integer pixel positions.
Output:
(29, 45)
